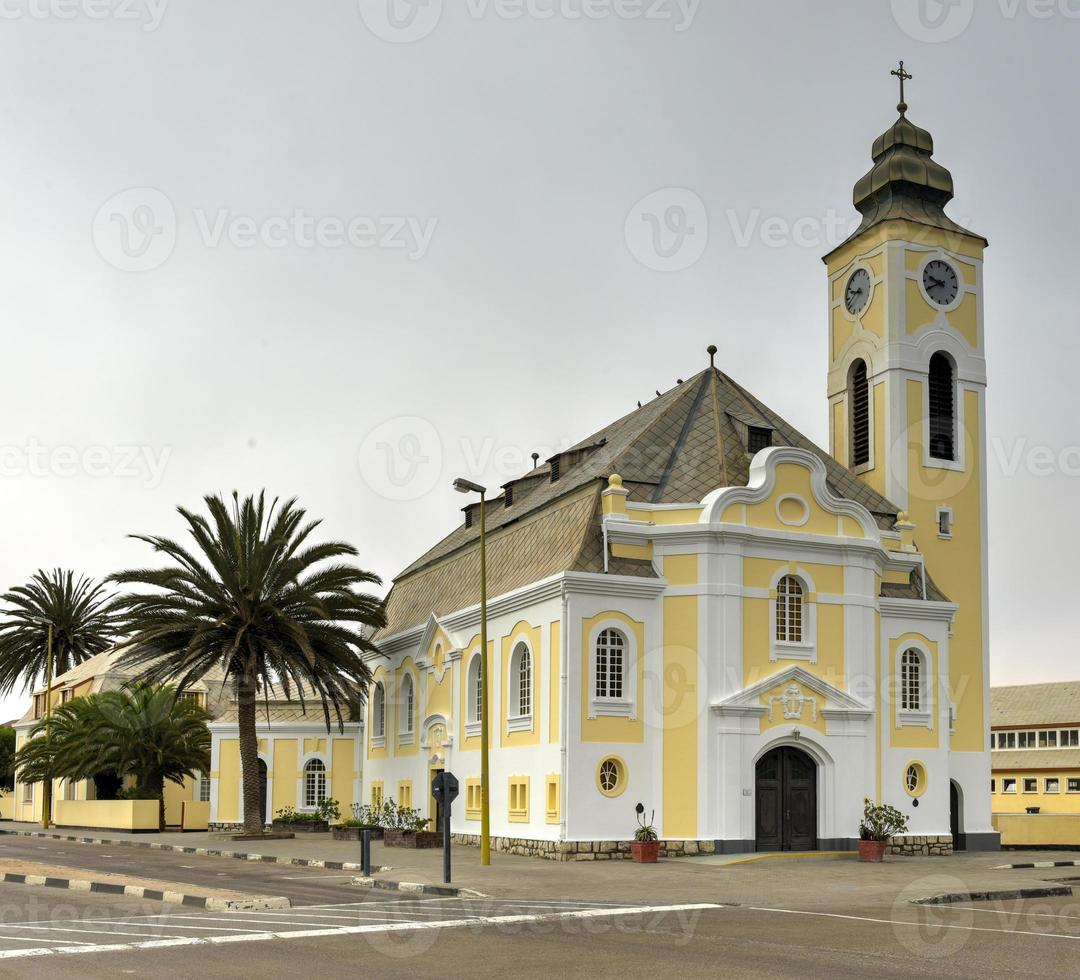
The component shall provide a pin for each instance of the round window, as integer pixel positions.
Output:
(915, 779)
(611, 776)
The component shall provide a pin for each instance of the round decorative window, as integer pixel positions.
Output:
(611, 776)
(915, 779)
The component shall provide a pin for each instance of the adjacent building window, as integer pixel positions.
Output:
(314, 782)
(610, 665)
(942, 408)
(1052, 784)
(789, 610)
(406, 723)
(993, 785)
(911, 681)
(202, 788)
(860, 414)
(378, 712)
(1073, 785)
(1008, 785)
(521, 682)
(1031, 785)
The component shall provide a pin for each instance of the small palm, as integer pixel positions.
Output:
(256, 601)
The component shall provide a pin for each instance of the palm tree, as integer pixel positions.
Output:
(83, 617)
(257, 601)
(143, 732)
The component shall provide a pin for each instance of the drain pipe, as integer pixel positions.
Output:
(564, 719)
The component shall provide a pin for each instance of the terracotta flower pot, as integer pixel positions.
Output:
(645, 852)
(872, 851)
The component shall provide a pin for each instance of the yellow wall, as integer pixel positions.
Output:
(1037, 830)
(680, 713)
(342, 773)
(107, 814)
(1018, 802)
(229, 781)
(914, 737)
(285, 775)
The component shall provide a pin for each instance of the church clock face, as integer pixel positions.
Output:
(941, 282)
(857, 292)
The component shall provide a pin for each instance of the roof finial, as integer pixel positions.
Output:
(712, 352)
(904, 77)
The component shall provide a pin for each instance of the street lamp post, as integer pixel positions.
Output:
(466, 486)
(46, 790)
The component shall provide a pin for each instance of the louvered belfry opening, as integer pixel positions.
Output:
(860, 415)
(942, 408)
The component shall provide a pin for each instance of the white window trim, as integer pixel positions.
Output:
(1046, 785)
(473, 725)
(303, 804)
(626, 706)
(406, 736)
(1004, 787)
(924, 717)
(378, 741)
(806, 650)
(946, 512)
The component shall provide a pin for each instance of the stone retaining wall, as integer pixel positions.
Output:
(921, 846)
(600, 850)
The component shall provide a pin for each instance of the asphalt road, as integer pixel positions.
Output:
(390, 937)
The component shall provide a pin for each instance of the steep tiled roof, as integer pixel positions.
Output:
(681, 446)
(1035, 704)
(1036, 759)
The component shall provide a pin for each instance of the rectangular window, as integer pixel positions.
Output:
(39, 702)
(1011, 736)
(993, 785)
(404, 793)
(1008, 785)
(472, 799)
(758, 439)
(1052, 785)
(28, 793)
(1031, 785)
(1073, 785)
(551, 799)
(1043, 739)
(518, 789)
(1074, 738)
(1022, 740)
(202, 787)
(945, 521)
(376, 794)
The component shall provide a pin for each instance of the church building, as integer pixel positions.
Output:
(698, 610)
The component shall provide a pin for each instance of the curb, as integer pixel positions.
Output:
(1005, 895)
(210, 903)
(1038, 864)
(198, 851)
(417, 888)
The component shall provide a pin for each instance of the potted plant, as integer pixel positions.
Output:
(645, 847)
(880, 823)
(363, 818)
(404, 827)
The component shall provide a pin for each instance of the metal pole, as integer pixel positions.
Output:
(365, 852)
(46, 795)
(485, 785)
(446, 842)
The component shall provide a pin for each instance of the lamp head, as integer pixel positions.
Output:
(461, 485)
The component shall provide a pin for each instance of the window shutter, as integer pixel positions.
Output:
(860, 415)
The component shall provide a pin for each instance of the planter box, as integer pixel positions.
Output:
(645, 852)
(872, 851)
(307, 827)
(355, 833)
(419, 840)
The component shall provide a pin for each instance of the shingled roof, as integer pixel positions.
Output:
(1035, 705)
(681, 446)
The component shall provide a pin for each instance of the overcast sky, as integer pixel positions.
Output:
(255, 244)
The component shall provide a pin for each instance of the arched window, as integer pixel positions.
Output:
(911, 681)
(405, 726)
(521, 681)
(314, 782)
(610, 664)
(475, 693)
(942, 408)
(378, 712)
(859, 388)
(789, 610)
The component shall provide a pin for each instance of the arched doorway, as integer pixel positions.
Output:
(262, 791)
(786, 801)
(956, 817)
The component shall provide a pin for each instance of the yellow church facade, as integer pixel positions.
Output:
(699, 611)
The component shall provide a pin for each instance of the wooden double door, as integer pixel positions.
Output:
(786, 801)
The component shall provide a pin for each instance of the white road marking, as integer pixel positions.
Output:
(312, 877)
(1031, 912)
(330, 931)
(916, 925)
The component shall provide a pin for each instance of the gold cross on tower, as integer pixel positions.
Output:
(904, 77)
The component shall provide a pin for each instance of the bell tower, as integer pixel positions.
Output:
(907, 387)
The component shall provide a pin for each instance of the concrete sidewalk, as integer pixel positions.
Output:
(823, 881)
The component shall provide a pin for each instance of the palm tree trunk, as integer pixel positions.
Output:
(249, 755)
